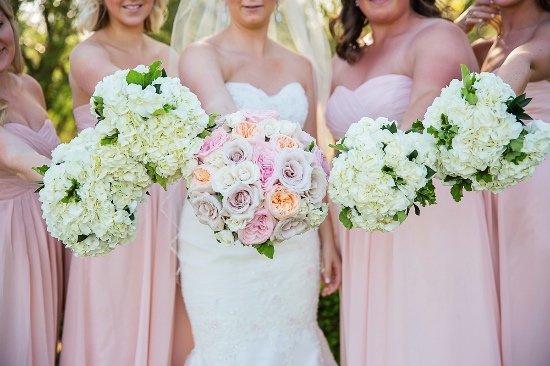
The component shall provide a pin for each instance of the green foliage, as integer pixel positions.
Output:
(459, 185)
(339, 145)
(426, 195)
(266, 249)
(344, 217)
(392, 128)
(516, 107)
(328, 317)
(468, 79)
(445, 134)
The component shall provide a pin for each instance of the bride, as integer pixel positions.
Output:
(246, 309)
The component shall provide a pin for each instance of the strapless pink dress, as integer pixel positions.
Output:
(522, 242)
(425, 294)
(31, 272)
(126, 308)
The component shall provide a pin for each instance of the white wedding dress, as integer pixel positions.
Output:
(246, 309)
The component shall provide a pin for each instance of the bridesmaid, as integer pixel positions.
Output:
(30, 259)
(425, 294)
(125, 308)
(520, 55)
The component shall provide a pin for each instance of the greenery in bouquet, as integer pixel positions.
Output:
(482, 142)
(380, 174)
(259, 181)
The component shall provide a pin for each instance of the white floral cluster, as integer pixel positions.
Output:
(260, 180)
(379, 174)
(91, 194)
(154, 117)
(148, 131)
(481, 143)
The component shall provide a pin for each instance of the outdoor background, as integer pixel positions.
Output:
(48, 34)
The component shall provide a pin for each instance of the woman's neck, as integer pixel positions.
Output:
(7, 85)
(388, 30)
(522, 16)
(128, 39)
(254, 41)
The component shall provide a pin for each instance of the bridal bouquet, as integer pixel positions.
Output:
(482, 143)
(154, 117)
(260, 180)
(90, 194)
(149, 129)
(380, 173)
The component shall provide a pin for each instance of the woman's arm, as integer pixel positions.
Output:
(200, 70)
(16, 157)
(438, 52)
(528, 62)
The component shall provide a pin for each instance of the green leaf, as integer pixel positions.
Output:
(81, 238)
(456, 192)
(392, 128)
(159, 111)
(416, 210)
(413, 155)
(163, 73)
(204, 134)
(400, 216)
(429, 172)
(513, 153)
(212, 119)
(471, 98)
(71, 192)
(156, 178)
(484, 176)
(41, 170)
(426, 195)
(109, 140)
(220, 196)
(134, 77)
(311, 146)
(152, 74)
(267, 249)
(99, 106)
(39, 188)
(417, 126)
(344, 218)
(465, 72)
(516, 107)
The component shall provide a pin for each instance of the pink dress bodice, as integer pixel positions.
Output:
(539, 107)
(42, 141)
(83, 117)
(383, 96)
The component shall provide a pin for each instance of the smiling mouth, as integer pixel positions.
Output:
(131, 7)
(252, 7)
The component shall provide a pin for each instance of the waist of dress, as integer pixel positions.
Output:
(12, 186)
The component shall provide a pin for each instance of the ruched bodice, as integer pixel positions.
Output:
(291, 101)
(42, 141)
(83, 117)
(382, 96)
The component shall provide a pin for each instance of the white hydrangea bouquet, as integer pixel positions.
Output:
(380, 173)
(158, 120)
(91, 193)
(260, 180)
(482, 143)
(149, 129)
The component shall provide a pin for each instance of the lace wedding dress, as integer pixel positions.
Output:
(246, 309)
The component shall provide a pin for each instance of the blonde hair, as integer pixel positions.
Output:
(17, 64)
(93, 16)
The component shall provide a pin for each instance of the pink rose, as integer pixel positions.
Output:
(259, 229)
(255, 116)
(212, 143)
(265, 157)
(289, 228)
(305, 138)
(321, 160)
(294, 169)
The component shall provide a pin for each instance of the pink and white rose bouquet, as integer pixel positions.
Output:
(259, 181)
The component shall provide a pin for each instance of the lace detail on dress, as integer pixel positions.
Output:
(291, 101)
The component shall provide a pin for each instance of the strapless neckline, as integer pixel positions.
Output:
(281, 91)
(47, 121)
(370, 81)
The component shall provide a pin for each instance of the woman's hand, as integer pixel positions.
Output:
(331, 264)
(479, 12)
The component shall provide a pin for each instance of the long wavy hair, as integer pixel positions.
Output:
(347, 27)
(93, 16)
(17, 63)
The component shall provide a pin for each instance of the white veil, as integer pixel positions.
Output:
(301, 30)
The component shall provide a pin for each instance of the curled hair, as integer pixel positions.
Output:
(17, 64)
(347, 27)
(545, 5)
(93, 16)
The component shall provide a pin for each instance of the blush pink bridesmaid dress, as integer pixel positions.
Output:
(426, 293)
(522, 242)
(31, 278)
(125, 308)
